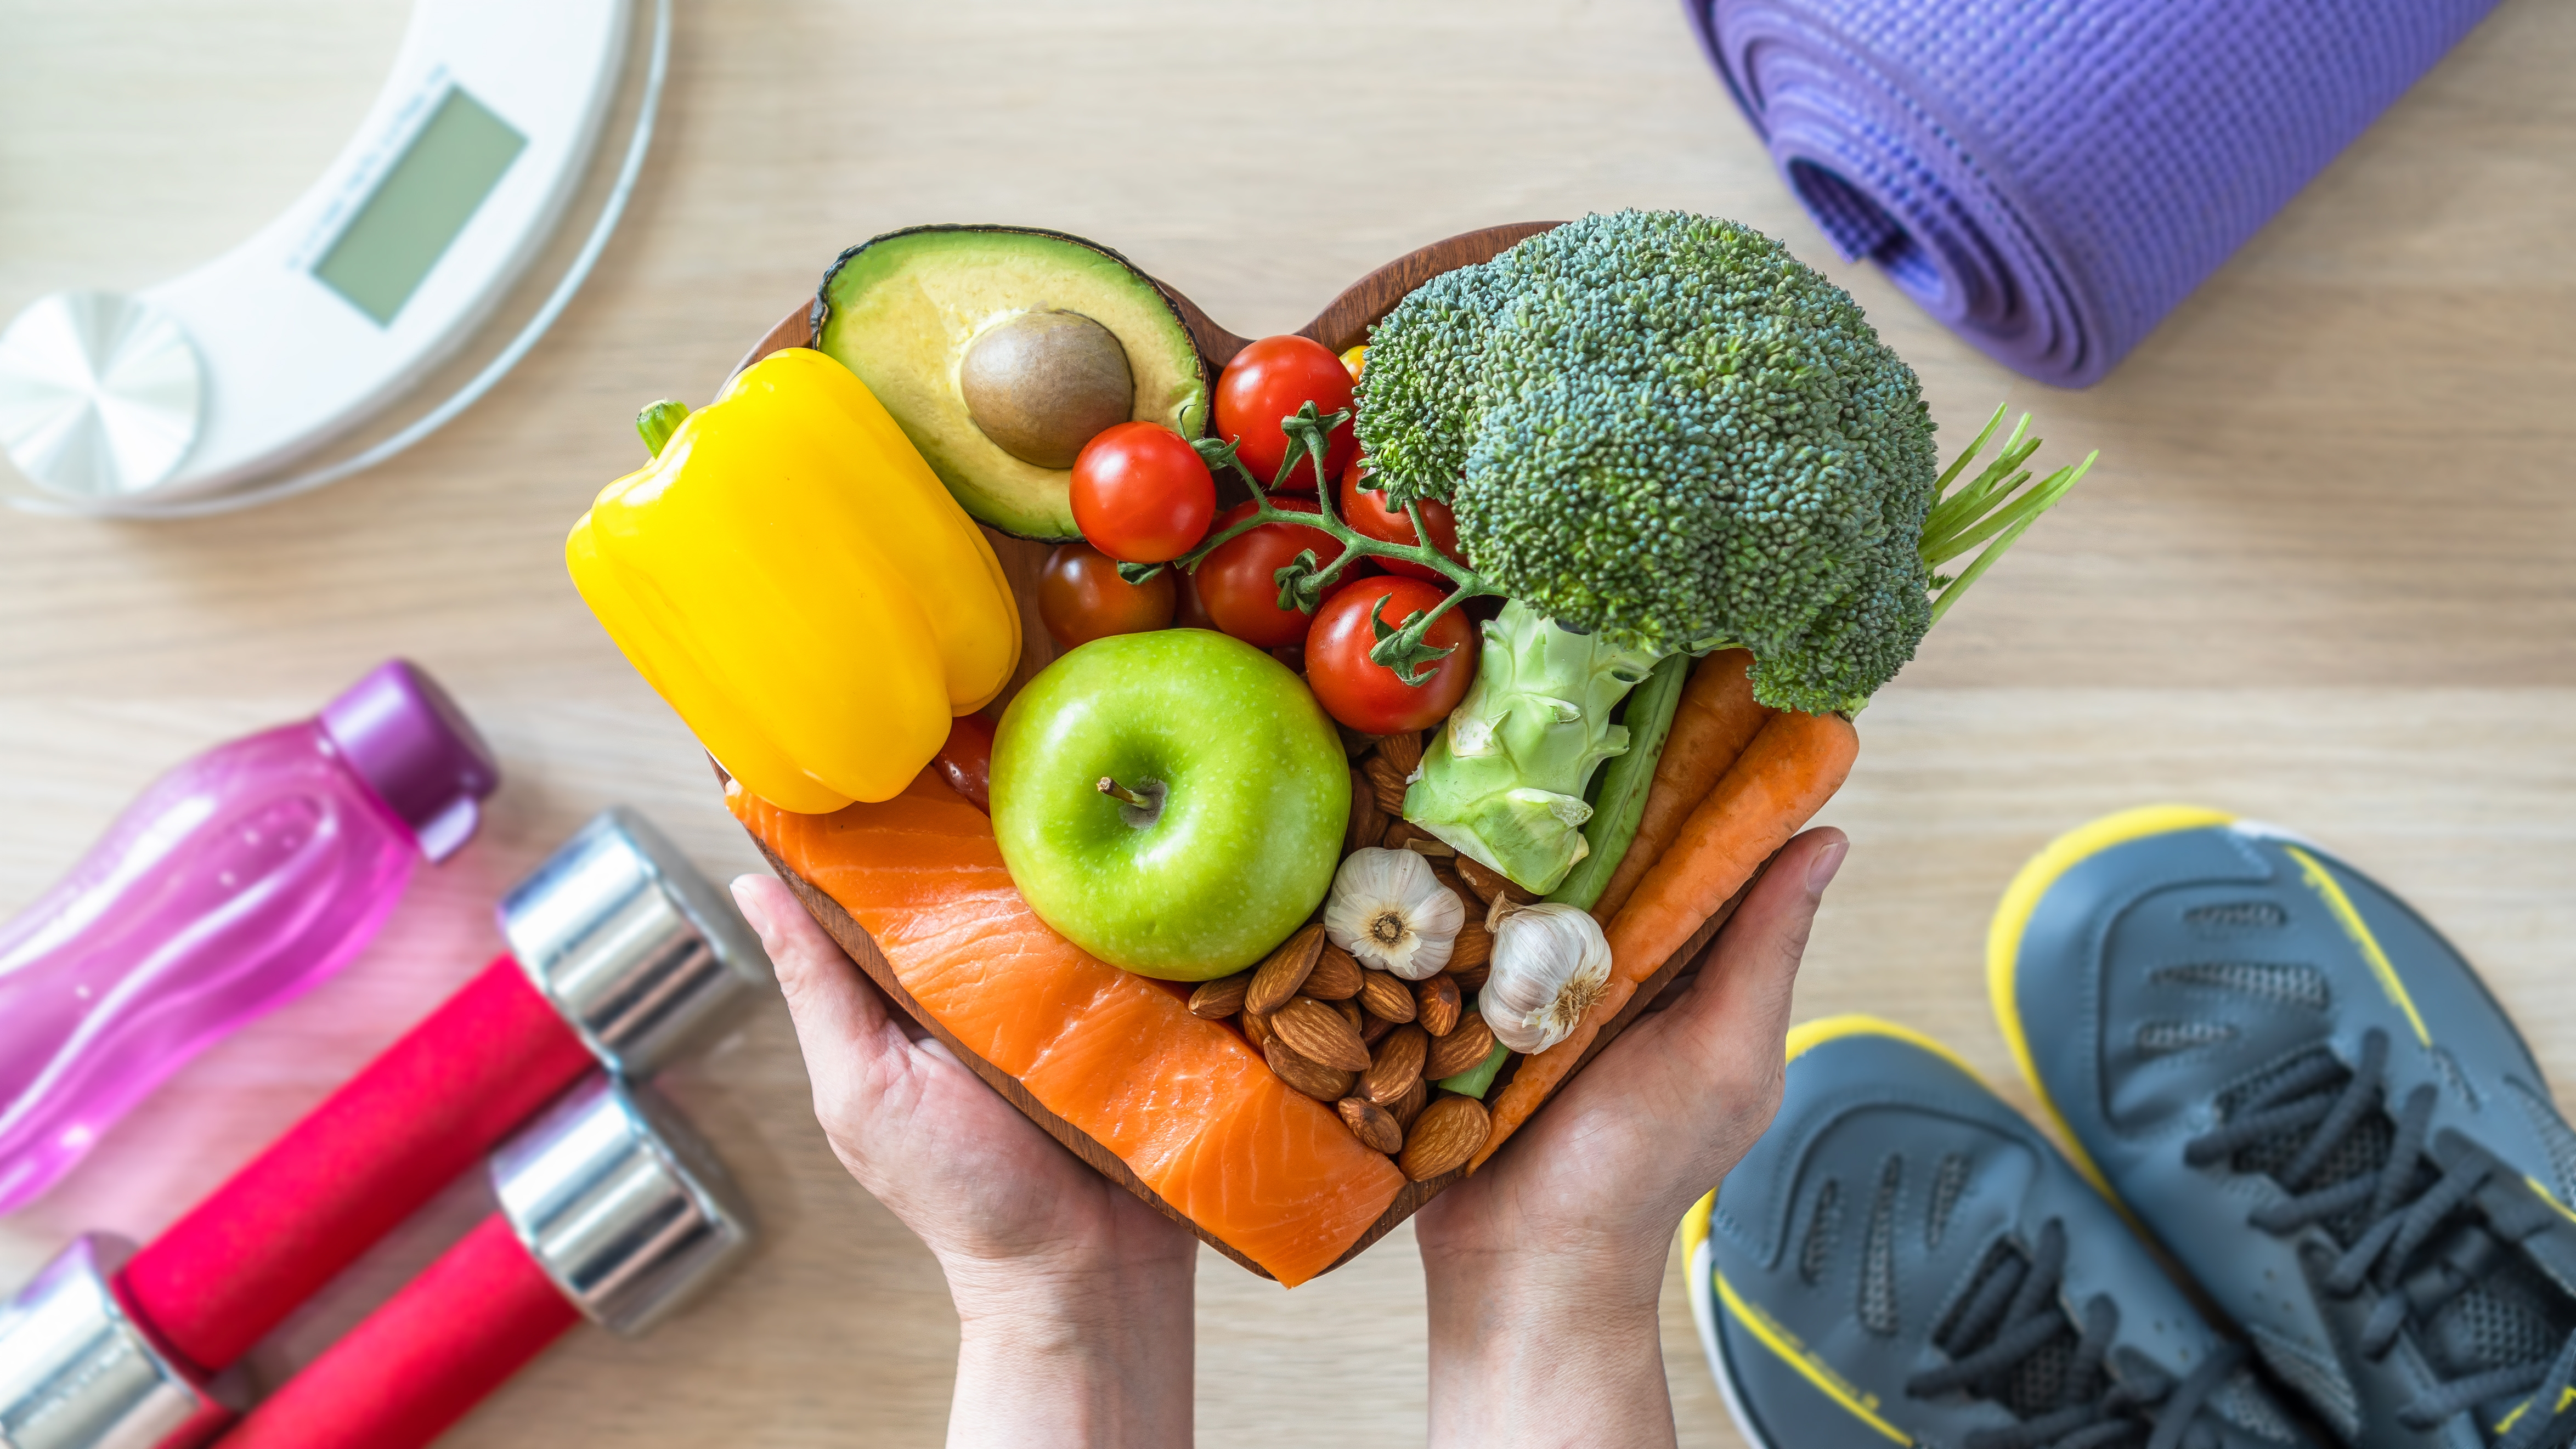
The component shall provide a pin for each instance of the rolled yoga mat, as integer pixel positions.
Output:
(2049, 178)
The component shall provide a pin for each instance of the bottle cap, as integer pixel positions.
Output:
(417, 751)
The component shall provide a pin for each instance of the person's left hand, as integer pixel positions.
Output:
(1073, 1296)
(1544, 1267)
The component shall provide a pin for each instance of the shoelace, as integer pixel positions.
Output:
(2403, 1211)
(2015, 1314)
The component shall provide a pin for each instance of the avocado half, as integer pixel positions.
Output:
(904, 310)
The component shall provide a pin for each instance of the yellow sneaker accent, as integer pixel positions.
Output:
(1810, 1034)
(1814, 1370)
(1803, 1037)
(2012, 918)
(2317, 878)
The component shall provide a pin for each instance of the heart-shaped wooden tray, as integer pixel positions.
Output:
(1343, 324)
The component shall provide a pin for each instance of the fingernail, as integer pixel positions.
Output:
(754, 914)
(1820, 871)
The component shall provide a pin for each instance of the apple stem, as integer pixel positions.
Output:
(1123, 795)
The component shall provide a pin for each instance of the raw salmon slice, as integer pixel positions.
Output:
(1185, 1103)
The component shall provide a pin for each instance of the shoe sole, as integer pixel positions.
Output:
(1701, 1256)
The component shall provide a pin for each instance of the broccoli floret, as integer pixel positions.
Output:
(1662, 432)
(1665, 428)
(1421, 381)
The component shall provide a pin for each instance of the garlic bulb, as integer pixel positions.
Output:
(1551, 963)
(1389, 911)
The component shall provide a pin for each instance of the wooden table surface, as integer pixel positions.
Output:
(2322, 574)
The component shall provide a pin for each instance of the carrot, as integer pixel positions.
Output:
(1792, 767)
(1711, 726)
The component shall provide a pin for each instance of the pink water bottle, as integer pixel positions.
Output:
(238, 880)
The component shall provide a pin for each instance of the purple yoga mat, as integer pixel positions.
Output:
(2049, 178)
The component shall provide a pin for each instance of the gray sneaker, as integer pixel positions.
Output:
(1903, 1260)
(2299, 1086)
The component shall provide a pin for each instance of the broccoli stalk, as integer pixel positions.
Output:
(1503, 783)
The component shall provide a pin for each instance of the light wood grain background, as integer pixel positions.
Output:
(2322, 574)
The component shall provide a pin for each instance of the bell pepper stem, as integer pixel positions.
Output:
(659, 421)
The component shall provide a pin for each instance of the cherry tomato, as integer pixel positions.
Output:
(1366, 695)
(1366, 511)
(1141, 493)
(966, 760)
(1238, 583)
(1266, 382)
(1081, 597)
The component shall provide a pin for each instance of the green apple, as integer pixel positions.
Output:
(1172, 802)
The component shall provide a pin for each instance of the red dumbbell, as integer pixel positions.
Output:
(621, 954)
(611, 1208)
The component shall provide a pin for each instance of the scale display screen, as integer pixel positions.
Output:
(400, 232)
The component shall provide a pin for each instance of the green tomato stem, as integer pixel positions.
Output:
(1355, 545)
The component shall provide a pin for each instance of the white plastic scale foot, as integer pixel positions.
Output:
(99, 394)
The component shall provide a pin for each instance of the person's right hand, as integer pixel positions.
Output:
(1544, 1268)
(1073, 1297)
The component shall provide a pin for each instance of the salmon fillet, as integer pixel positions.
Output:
(1185, 1103)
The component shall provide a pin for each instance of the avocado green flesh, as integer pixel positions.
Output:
(902, 311)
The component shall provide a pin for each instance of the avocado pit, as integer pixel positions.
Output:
(1042, 384)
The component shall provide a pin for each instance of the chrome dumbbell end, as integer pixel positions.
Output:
(622, 1204)
(77, 1371)
(643, 955)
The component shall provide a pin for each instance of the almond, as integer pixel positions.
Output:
(1403, 751)
(1367, 821)
(1351, 1013)
(1373, 1028)
(1320, 1034)
(1256, 1028)
(1442, 1139)
(1219, 999)
(1409, 1106)
(1469, 1042)
(1472, 947)
(1373, 1124)
(1446, 872)
(1387, 782)
(1280, 977)
(1488, 884)
(1336, 976)
(1324, 1084)
(1429, 848)
(1385, 997)
(1473, 978)
(1436, 1004)
(1402, 834)
(1397, 1065)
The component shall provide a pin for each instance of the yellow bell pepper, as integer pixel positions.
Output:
(794, 580)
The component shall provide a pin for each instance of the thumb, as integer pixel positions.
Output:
(842, 1025)
(1739, 1007)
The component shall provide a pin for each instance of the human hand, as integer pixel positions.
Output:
(1073, 1297)
(1544, 1268)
